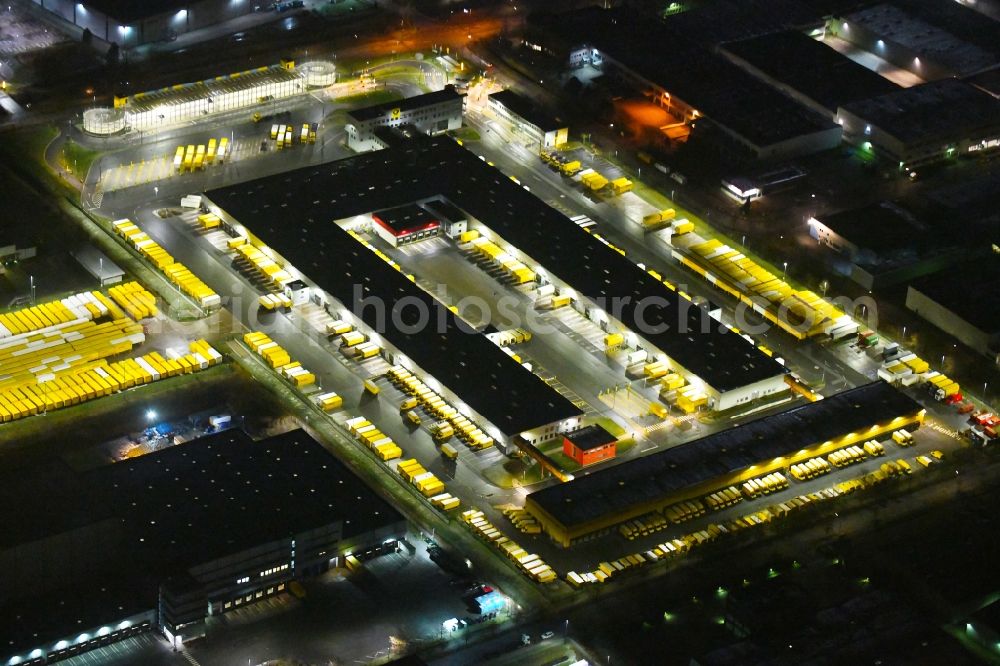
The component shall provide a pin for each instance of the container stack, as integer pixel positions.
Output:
(78, 380)
(134, 300)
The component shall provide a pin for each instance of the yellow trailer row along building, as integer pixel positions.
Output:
(436, 406)
(597, 503)
(805, 314)
(514, 269)
(176, 272)
(279, 359)
(368, 434)
(260, 261)
(528, 563)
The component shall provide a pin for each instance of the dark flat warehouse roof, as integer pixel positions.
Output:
(446, 211)
(213, 491)
(446, 94)
(26, 521)
(180, 507)
(127, 11)
(969, 292)
(811, 68)
(527, 110)
(480, 373)
(292, 213)
(881, 227)
(617, 489)
(668, 57)
(943, 110)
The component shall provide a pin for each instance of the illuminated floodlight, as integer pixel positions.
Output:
(150, 414)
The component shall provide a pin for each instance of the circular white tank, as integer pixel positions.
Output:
(103, 121)
(318, 73)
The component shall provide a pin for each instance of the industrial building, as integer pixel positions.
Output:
(185, 102)
(430, 113)
(593, 504)
(791, 62)
(162, 541)
(690, 80)
(912, 43)
(356, 285)
(590, 445)
(528, 122)
(882, 244)
(405, 224)
(597, 281)
(924, 124)
(99, 265)
(959, 303)
(129, 24)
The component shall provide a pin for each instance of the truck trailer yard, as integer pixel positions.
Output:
(428, 339)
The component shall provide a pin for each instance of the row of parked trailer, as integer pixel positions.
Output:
(529, 564)
(435, 405)
(764, 485)
(259, 261)
(411, 470)
(279, 359)
(209, 221)
(512, 267)
(133, 298)
(197, 157)
(176, 272)
(522, 520)
(72, 309)
(80, 383)
(426, 482)
(907, 369)
(669, 550)
(373, 438)
(801, 313)
(286, 136)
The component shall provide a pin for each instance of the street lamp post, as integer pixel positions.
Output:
(784, 269)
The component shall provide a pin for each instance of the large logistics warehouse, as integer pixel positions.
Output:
(686, 76)
(162, 541)
(293, 213)
(590, 505)
(130, 23)
(486, 381)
